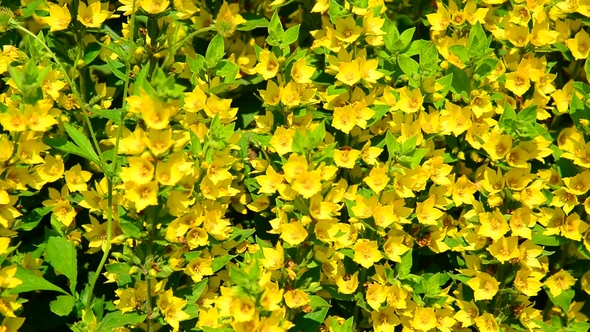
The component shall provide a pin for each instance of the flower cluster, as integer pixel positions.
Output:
(327, 165)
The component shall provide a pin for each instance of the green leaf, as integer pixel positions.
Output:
(275, 27)
(61, 254)
(461, 80)
(317, 135)
(300, 143)
(579, 111)
(406, 265)
(478, 40)
(219, 262)
(418, 155)
(409, 66)
(484, 67)
(461, 52)
(82, 142)
(252, 22)
(563, 300)
(114, 66)
(111, 114)
(122, 272)
(393, 146)
(546, 240)
(63, 305)
(310, 321)
(528, 114)
(239, 277)
(33, 218)
(578, 326)
(215, 51)
(409, 146)
(116, 319)
(508, 119)
(32, 282)
(291, 35)
(91, 52)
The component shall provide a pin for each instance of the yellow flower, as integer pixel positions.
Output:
(154, 6)
(410, 101)
(377, 179)
(527, 284)
(385, 319)
(268, 65)
(349, 73)
(579, 45)
(198, 268)
(484, 286)
(366, 253)
(347, 284)
(242, 309)
(493, 225)
(308, 184)
(426, 213)
(487, 323)
(140, 171)
(440, 20)
(143, 195)
(424, 319)
(273, 259)
(92, 16)
(171, 308)
(296, 298)
(59, 17)
(504, 249)
(195, 101)
(293, 233)
(518, 82)
(272, 94)
(76, 178)
(301, 72)
(127, 301)
(270, 182)
(228, 19)
(468, 313)
(347, 30)
(7, 279)
(559, 282)
(497, 146)
(344, 119)
(346, 157)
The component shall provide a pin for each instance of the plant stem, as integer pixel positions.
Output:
(72, 87)
(108, 242)
(113, 169)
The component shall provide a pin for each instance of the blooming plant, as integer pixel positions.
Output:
(329, 165)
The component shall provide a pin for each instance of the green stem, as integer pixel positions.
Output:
(113, 169)
(108, 244)
(151, 214)
(72, 87)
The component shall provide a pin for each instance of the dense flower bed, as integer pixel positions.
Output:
(265, 166)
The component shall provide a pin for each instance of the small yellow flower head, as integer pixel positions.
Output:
(243, 309)
(487, 323)
(559, 282)
(293, 233)
(347, 284)
(484, 286)
(92, 15)
(424, 319)
(366, 253)
(59, 17)
(579, 45)
(228, 19)
(296, 298)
